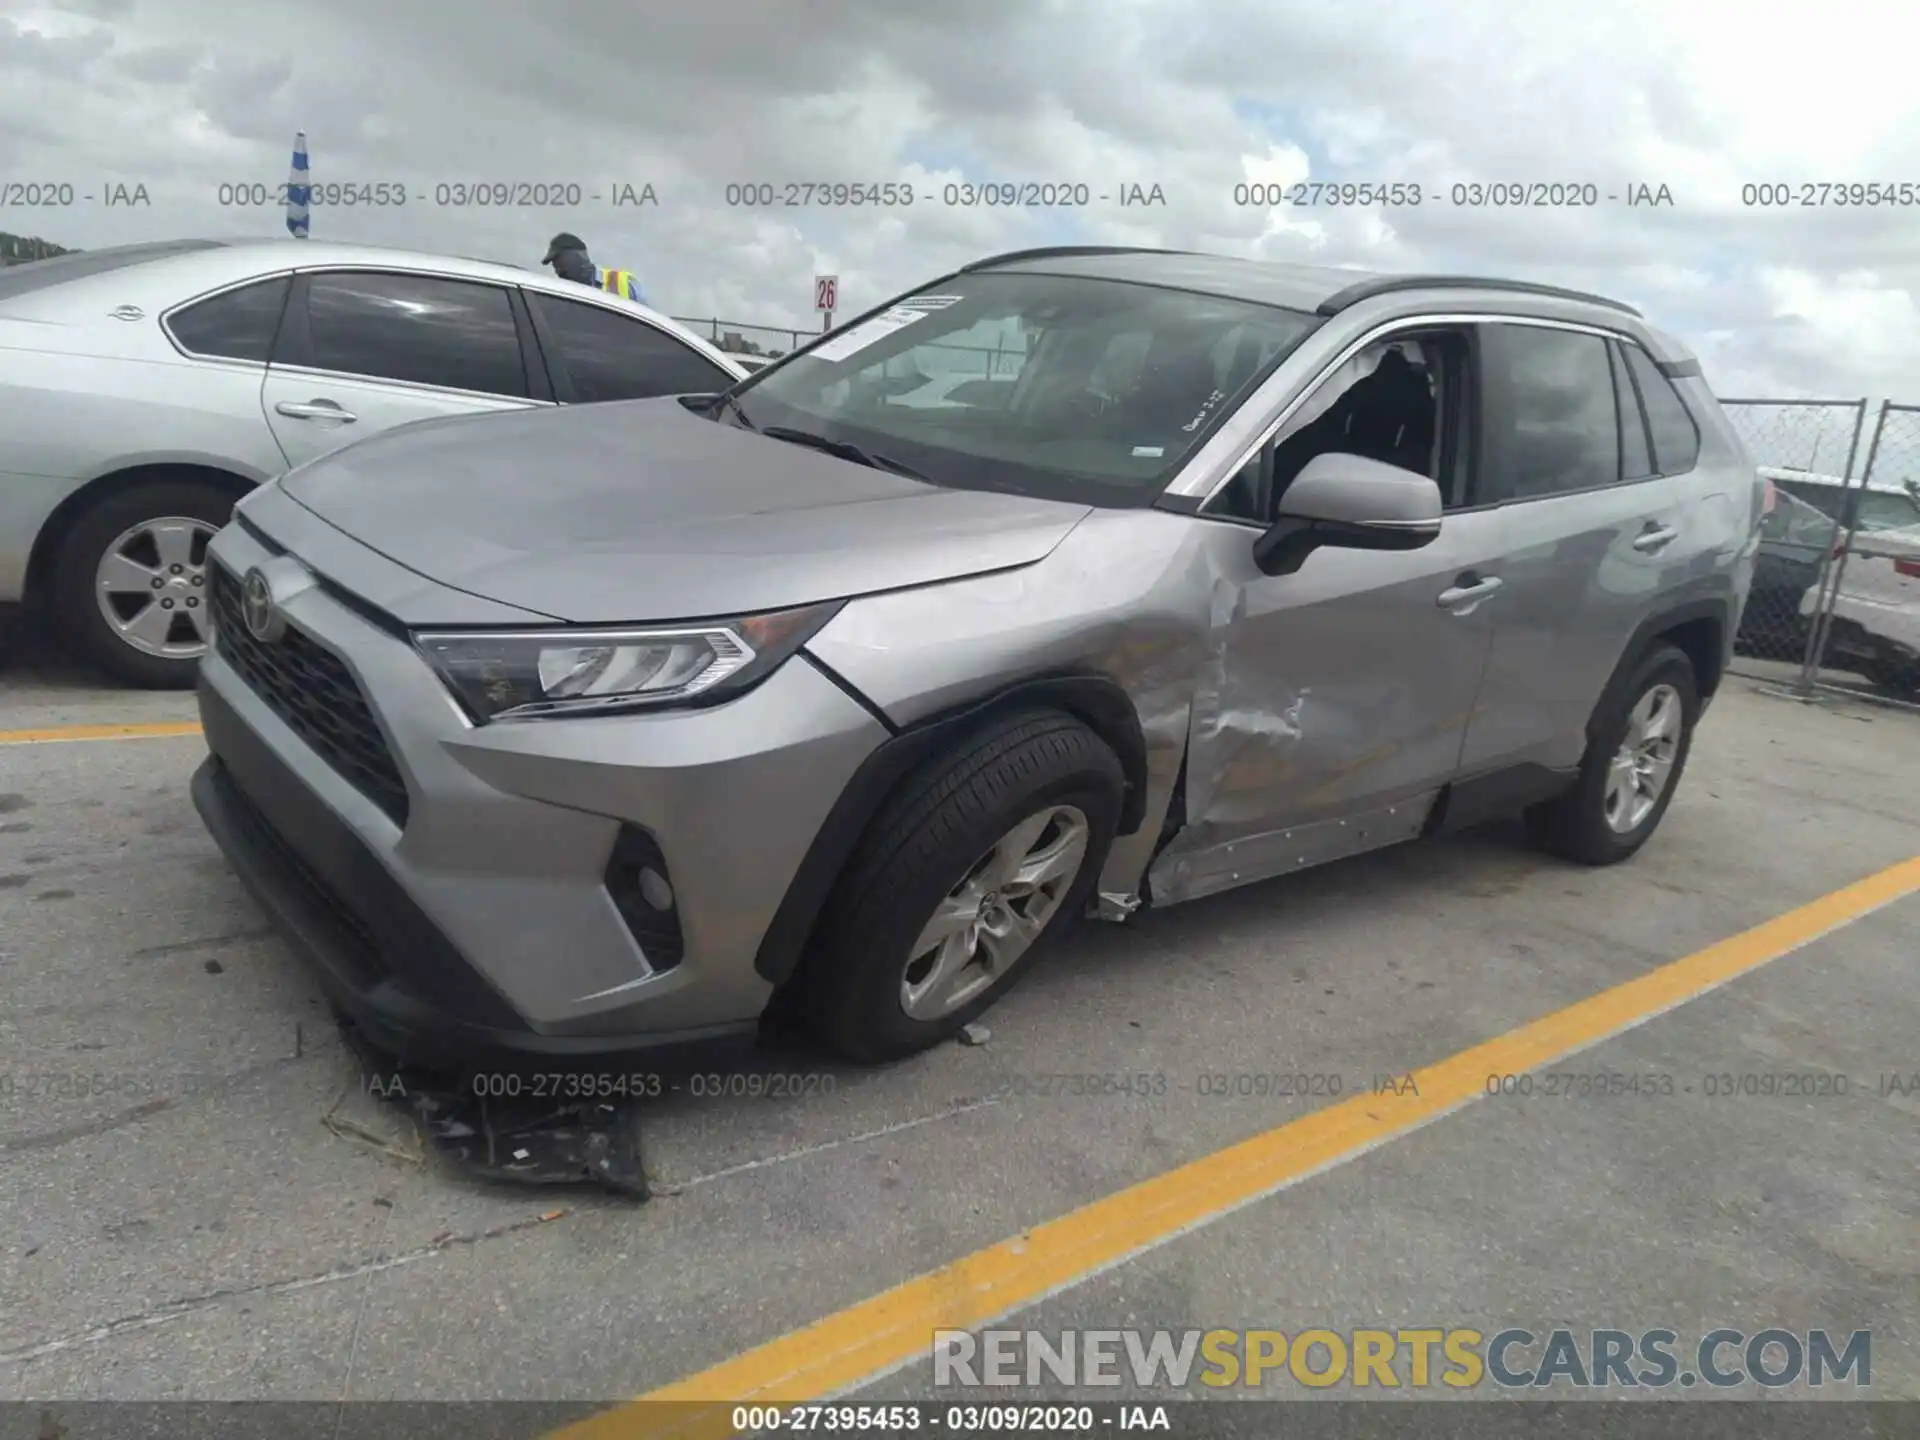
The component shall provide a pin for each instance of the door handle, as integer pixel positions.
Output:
(315, 410)
(1654, 537)
(1474, 590)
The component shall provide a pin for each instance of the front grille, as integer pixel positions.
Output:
(315, 695)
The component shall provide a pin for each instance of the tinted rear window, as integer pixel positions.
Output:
(235, 325)
(1676, 439)
(39, 274)
(1553, 425)
(1636, 459)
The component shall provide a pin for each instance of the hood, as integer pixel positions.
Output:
(644, 511)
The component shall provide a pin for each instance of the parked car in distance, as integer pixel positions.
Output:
(1875, 630)
(805, 701)
(1875, 604)
(148, 387)
(1795, 542)
(1875, 505)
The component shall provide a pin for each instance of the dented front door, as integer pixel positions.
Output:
(1332, 703)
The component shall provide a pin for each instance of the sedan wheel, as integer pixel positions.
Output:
(129, 582)
(151, 584)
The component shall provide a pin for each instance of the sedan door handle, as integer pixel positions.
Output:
(1466, 595)
(1654, 538)
(315, 410)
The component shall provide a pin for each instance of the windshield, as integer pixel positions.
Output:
(1093, 391)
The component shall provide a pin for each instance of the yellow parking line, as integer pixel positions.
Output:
(868, 1339)
(58, 733)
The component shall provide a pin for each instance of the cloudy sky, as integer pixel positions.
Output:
(1192, 96)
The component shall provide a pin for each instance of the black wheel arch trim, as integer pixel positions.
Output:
(1720, 611)
(1096, 700)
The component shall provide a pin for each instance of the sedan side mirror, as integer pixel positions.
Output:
(1353, 503)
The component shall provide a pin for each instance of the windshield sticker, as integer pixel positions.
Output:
(929, 302)
(1205, 410)
(867, 332)
(1149, 452)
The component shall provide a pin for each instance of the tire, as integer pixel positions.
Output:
(1892, 675)
(78, 614)
(1575, 825)
(928, 846)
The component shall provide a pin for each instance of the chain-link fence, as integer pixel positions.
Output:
(1867, 608)
(737, 338)
(1835, 602)
(1819, 441)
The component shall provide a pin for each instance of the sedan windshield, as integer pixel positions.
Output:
(1092, 391)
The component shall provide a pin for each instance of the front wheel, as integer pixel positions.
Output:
(1638, 749)
(958, 881)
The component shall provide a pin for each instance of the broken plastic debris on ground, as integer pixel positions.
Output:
(531, 1139)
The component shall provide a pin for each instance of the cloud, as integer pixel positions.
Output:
(186, 96)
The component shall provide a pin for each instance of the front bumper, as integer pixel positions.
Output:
(474, 922)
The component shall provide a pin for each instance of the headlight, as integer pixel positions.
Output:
(522, 674)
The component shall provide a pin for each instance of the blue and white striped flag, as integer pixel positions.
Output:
(297, 189)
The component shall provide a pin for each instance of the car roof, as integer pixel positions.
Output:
(1317, 289)
(198, 264)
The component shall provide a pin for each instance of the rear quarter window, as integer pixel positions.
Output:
(236, 324)
(1676, 439)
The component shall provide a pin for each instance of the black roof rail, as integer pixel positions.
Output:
(1046, 252)
(1389, 284)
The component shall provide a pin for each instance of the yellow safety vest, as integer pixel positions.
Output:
(620, 282)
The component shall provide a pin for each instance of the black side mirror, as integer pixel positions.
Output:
(1352, 503)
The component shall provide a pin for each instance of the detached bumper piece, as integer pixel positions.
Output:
(568, 1134)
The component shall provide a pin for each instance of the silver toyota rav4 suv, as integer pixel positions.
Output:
(1078, 580)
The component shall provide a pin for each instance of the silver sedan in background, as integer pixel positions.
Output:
(146, 388)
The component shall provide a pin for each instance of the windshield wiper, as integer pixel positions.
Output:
(845, 449)
(727, 400)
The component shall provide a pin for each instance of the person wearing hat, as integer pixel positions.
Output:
(567, 254)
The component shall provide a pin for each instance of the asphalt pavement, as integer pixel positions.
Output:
(229, 1213)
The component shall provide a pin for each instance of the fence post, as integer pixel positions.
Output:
(1827, 595)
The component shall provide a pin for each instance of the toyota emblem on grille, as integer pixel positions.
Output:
(258, 609)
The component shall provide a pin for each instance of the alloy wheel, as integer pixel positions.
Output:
(1641, 767)
(992, 917)
(151, 585)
